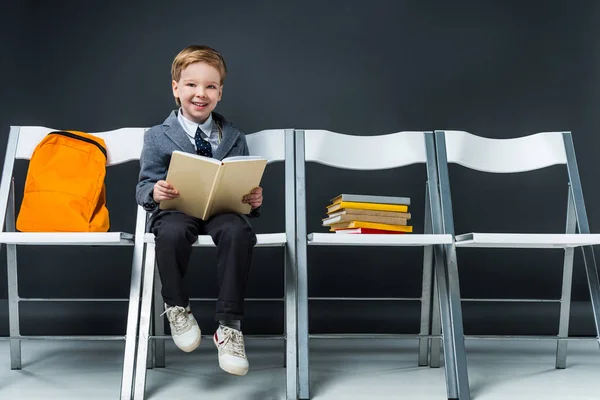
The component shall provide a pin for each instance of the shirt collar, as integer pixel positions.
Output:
(190, 127)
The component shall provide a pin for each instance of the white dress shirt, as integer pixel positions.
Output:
(209, 129)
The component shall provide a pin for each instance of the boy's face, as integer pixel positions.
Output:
(199, 90)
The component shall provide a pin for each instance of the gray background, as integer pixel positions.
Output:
(499, 69)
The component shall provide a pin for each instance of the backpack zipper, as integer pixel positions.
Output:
(85, 139)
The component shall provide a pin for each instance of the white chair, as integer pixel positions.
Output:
(122, 145)
(377, 153)
(520, 155)
(276, 145)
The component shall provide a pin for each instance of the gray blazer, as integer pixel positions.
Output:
(159, 143)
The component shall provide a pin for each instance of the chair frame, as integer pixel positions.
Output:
(153, 355)
(576, 220)
(434, 241)
(21, 143)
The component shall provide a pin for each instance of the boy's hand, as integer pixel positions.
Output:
(254, 198)
(163, 190)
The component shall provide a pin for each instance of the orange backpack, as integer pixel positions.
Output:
(64, 189)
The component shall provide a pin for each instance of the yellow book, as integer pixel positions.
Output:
(371, 225)
(366, 206)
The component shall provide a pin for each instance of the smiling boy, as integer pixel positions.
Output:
(197, 75)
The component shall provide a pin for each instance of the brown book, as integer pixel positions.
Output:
(355, 211)
(208, 186)
(367, 218)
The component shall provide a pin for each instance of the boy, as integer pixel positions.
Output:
(197, 81)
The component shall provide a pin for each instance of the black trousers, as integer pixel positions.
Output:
(175, 233)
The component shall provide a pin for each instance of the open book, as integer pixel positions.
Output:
(208, 186)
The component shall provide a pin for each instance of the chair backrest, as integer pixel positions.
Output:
(278, 145)
(122, 145)
(504, 155)
(271, 144)
(520, 154)
(352, 152)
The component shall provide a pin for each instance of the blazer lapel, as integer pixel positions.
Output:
(230, 137)
(175, 132)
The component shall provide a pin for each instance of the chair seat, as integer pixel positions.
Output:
(68, 238)
(377, 239)
(527, 240)
(262, 240)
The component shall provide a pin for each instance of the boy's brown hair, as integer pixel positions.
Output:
(197, 53)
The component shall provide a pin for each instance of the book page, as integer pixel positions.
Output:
(236, 180)
(242, 158)
(193, 176)
(196, 156)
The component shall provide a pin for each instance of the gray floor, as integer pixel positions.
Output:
(340, 369)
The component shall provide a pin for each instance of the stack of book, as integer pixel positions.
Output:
(354, 213)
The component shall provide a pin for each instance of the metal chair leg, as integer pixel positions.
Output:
(452, 327)
(132, 320)
(145, 312)
(13, 285)
(426, 292)
(159, 323)
(150, 360)
(567, 282)
(13, 306)
(426, 303)
(436, 329)
(291, 358)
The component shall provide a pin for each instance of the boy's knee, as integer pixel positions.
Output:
(237, 229)
(239, 232)
(247, 233)
(172, 235)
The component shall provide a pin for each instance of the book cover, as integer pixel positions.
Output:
(366, 206)
(367, 231)
(366, 198)
(365, 218)
(208, 186)
(372, 225)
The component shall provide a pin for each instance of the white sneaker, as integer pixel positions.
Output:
(184, 328)
(232, 354)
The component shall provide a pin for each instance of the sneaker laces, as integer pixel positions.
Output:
(178, 317)
(233, 341)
